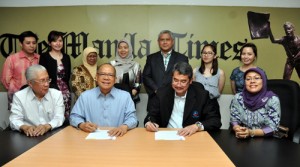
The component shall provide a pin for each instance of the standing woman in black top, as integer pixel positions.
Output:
(58, 65)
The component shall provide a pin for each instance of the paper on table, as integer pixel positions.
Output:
(100, 135)
(168, 135)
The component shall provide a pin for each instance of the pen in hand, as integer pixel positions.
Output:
(91, 126)
(154, 125)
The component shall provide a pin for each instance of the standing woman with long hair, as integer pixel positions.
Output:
(209, 74)
(248, 57)
(58, 65)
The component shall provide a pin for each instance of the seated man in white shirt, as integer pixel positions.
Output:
(37, 108)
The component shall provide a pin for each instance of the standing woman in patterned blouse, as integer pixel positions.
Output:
(58, 65)
(128, 71)
(83, 77)
(255, 111)
(248, 57)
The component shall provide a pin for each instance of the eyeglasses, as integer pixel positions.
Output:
(208, 53)
(253, 79)
(181, 82)
(92, 56)
(43, 81)
(107, 75)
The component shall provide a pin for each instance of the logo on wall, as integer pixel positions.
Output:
(260, 27)
(74, 44)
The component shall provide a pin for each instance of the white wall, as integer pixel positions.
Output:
(255, 3)
(224, 102)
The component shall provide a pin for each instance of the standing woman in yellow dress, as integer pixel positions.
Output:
(83, 76)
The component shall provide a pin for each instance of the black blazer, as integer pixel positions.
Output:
(198, 107)
(155, 75)
(51, 65)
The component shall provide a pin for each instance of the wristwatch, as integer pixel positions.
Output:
(199, 125)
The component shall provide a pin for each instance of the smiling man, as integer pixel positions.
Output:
(158, 68)
(104, 106)
(37, 108)
(13, 77)
(183, 104)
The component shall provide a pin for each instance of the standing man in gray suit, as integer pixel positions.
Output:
(158, 69)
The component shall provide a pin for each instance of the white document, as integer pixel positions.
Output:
(100, 135)
(168, 135)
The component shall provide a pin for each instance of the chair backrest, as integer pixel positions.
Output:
(288, 92)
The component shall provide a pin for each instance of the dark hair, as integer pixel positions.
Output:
(215, 65)
(54, 35)
(250, 45)
(25, 34)
(183, 68)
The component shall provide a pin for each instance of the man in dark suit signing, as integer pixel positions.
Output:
(158, 69)
(183, 104)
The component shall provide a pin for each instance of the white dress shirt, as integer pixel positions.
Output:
(177, 112)
(26, 109)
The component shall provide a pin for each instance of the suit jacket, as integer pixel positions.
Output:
(51, 65)
(198, 107)
(155, 75)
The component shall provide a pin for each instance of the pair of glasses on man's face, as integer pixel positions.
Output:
(43, 81)
(109, 75)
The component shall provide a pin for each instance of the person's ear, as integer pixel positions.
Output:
(30, 83)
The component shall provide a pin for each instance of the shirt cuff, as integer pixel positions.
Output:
(267, 130)
(234, 123)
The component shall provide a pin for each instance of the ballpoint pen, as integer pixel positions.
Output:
(149, 119)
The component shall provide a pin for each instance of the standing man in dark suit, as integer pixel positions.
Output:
(158, 69)
(183, 104)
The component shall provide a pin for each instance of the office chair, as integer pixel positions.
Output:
(288, 92)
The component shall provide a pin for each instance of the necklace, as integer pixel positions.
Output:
(55, 56)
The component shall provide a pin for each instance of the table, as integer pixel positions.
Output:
(250, 152)
(14, 143)
(137, 148)
(263, 151)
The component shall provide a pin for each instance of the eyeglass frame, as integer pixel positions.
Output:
(93, 56)
(256, 78)
(106, 74)
(208, 53)
(43, 81)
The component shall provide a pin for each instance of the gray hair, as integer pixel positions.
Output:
(183, 68)
(31, 71)
(98, 68)
(166, 32)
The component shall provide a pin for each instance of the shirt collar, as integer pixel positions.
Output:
(181, 97)
(168, 54)
(32, 96)
(23, 55)
(112, 92)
